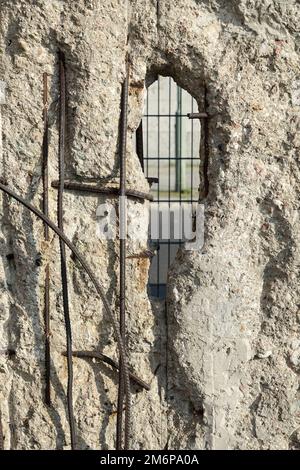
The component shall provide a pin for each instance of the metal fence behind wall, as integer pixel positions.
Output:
(171, 143)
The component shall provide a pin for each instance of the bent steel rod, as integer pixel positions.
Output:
(122, 231)
(89, 272)
(111, 362)
(110, 191)
(46, 237)
(63, 264)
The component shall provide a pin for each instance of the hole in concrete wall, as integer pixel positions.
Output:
(170, 160)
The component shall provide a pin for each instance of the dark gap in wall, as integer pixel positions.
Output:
(168, 143)
(181, 166)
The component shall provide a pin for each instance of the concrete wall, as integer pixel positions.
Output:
(223, 361)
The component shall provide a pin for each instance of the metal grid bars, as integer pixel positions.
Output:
(170, 154)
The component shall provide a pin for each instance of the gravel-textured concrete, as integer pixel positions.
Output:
(232, 322)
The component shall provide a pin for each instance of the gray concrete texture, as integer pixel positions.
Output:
(230, 333)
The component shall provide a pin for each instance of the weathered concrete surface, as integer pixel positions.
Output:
(232, 324)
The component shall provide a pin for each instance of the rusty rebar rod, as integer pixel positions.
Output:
(87, 269)
(140, 144)
(122, 229)
(111, 362)
(206, 146)
(46, 237)
(145, 254)
(90, 188)
(64, 275)
(197, 115)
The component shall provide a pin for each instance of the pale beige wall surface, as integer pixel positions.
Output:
(230, 336)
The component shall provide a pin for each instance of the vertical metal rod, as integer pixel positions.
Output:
(140, 144)
(179, 155)
(124, 388)
(158, 192)
(46, 237)
(192, 155)
(64, 277)
(206, 145)
(178, 141)
(147, 133)
(45, 154)
(169, 168)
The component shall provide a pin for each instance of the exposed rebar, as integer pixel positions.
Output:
(140, 144)
(46, 237)
(124, 388)
(64, 276)
(197, 115)
(111, 362)
(91, 188)
(205, 134)
(89, 272)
